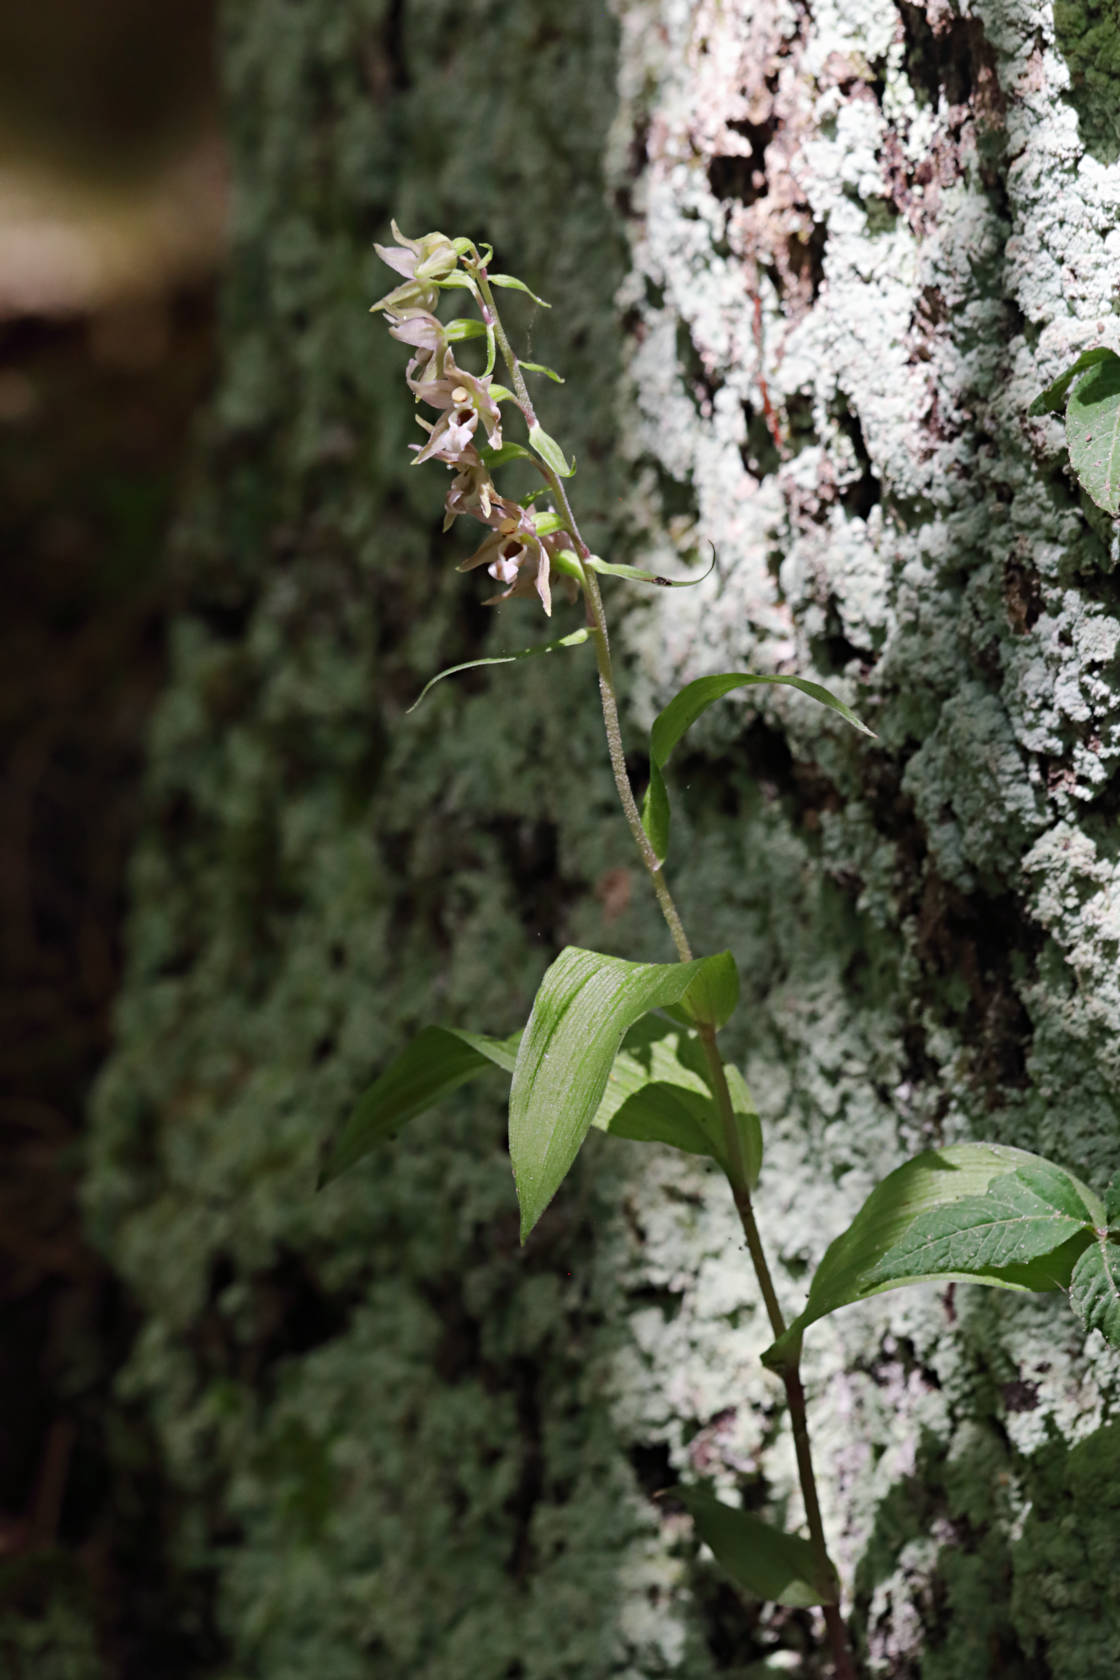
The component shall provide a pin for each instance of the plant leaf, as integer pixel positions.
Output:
(748, 1123)
(437, 1061)
(681, 713)
(539, 367)
(550, 452)
(638, 576)
(464, 326)
(1112, 1203)
(763, 1560)
(585, 1004)
(1020, 1216)
(509, 282)
(508, 452)
(574, 638)
(1053, 399)
(951, 1214)
(1093, 432)
(1094, 1291)
(658, 1092)
(546, 523)
(711, 999)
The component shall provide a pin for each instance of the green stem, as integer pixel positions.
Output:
(791, 1376)
(597, 619)
(737, 1169)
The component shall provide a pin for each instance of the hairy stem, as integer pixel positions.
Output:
(597, 619)
(791, 1376)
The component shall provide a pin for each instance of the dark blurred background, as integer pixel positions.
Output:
(111, 230)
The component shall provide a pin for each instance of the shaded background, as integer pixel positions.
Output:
(112, 217)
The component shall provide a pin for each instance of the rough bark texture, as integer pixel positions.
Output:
(405, 1448)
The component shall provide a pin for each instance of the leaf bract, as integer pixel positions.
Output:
(509, 282)
(550, 452)
(574, 638)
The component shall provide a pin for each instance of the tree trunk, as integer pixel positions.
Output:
(807, 274)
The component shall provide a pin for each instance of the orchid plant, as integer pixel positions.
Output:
(632, 1048)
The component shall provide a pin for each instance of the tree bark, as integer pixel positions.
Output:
(808, 272)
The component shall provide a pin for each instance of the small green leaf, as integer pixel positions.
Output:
(1053, 399)
(638, 576)
(457, 282)
(508, 452)
(766, 1562)
(509, 282)
(1112, 1203)
(681, 713)
(574, 638)
(438, 1060)
(546, 523)
(465, 326)
(1094, 1291)
(550, 452)
(585, 1004)
(500, 393)
(1093, 433)
(539, 367)
(971, 1212)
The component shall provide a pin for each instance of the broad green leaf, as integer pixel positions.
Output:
(509, 282)
(766, 1562)
(550, 452)
(1053, 399)
(1093, 432)
(658, 1092)
(1094, 1291)
(1112, 1203)
(681, 713)
(585, 1004)
(539, 367)
(1020, 1216)
(438, 1060)
(904, 1232)
(574, 638)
